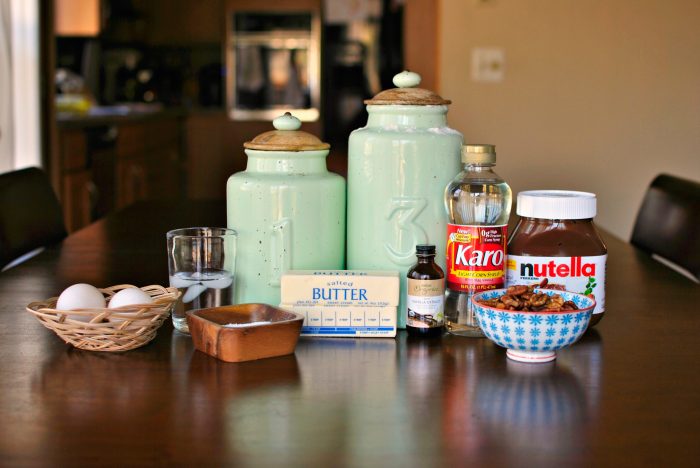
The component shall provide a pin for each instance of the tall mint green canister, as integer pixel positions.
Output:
(289, 211)
(398, 168)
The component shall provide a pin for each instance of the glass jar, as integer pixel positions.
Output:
(556, 242)
(398, 167)
(288, 210)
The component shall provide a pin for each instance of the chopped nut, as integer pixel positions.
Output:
(524, 298)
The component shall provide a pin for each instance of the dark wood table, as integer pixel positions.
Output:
(627, 394)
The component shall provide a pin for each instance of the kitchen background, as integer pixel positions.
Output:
(146, 99)
(597, 95)
(157, 97)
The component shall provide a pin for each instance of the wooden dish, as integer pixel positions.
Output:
(247, 341)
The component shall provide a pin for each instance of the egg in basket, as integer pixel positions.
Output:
(118, 318)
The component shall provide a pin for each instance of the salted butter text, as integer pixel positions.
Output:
(339, 294)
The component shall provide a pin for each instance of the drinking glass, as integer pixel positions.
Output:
(201, 263)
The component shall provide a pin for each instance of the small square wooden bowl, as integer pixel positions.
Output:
(244, 343)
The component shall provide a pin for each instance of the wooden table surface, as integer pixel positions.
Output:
(627, 394)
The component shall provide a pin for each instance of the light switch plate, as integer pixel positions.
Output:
(488, 64)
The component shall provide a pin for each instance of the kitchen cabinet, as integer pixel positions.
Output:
(211, 155)
(167, 157)
(148, 177)
(132, 181)
(214, 150)
(107, 165)
(77, 199)
(76, 190)
(184, 21)
(148, 161)
(165, 171)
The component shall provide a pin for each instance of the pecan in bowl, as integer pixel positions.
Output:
(530, 322)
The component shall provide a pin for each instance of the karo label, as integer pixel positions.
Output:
(476, 257)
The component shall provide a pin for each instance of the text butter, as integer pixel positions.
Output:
(349, 303)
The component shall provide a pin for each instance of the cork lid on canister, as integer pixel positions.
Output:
(286, 137)
(406, 93)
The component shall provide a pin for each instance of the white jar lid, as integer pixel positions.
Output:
(556, 204)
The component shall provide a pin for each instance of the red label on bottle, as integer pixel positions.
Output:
(476, 257)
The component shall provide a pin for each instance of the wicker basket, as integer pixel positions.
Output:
(119, 329)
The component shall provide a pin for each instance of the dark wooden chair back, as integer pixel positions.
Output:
(668, 223)
(30, 215)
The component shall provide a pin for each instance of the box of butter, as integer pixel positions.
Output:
(349, 303)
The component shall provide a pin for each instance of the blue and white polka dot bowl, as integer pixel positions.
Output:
(533, 336)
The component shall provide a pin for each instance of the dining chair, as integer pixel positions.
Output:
(30, 215)
(668, 222)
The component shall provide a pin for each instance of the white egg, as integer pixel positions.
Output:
(129, 296)
(80, 296)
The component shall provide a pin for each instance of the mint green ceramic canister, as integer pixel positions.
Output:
(398, 168)
(288, 210)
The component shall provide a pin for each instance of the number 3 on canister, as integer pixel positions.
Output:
(405, 233)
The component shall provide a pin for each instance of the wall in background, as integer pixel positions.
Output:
(420, 38)
(597, 95)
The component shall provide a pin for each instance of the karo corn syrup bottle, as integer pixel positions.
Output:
(478, 203)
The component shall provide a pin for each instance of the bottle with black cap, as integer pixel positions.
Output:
(425, 304)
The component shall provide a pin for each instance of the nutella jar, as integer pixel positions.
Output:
(556, 244)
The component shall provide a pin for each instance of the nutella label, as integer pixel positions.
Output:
(425, 303)
(584, 275)
(476, 257)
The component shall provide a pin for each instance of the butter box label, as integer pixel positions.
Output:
(425, 303)
(340, 287)
(346, 321)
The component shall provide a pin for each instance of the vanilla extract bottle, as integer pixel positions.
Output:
(425, 300)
